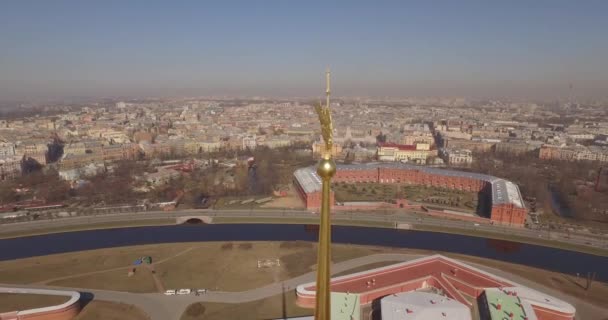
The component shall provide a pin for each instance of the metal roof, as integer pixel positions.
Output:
(308, 179)
(421, 306)
(501, 306)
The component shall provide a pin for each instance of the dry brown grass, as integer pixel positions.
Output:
(239, 264)
(36, 269)
(232, 266)
(140, 282)
(274, 307)
(103, 310)
(15, 302)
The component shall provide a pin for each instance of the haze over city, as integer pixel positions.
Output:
(303, 160)
(476, 49)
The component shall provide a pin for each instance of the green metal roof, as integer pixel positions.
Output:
(345, 306)
(507, 303)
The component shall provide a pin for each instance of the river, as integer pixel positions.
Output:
(564, 261)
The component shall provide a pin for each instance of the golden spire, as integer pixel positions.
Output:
(324, 114)
(327, 91)
(326, 170)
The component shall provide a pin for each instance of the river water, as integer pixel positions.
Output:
(532, 255)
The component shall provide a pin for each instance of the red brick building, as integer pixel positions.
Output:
(457, 281)
(506, 204)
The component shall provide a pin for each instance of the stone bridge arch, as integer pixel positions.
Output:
(194, 219)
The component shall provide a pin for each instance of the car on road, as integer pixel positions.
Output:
(476, 224)
(184, 291)
(170, 292)
(201, 291)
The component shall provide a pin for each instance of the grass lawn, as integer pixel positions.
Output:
(304, 261)
(15, 302)
(364, 192)
(38, 269)
(185, 265)
(463, 200)
(140, 282)
(104, 310)
(275, 307)
(238, 262)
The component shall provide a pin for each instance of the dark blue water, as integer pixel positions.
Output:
(537, 256)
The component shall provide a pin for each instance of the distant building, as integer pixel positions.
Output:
(574, 153)
(77, 148)
(162, 176)
(515, 148)
(417, 153)
(418, 133)
(7, 149)
(276, 142)
(249, 142)
(10, 167)
(318, 147)
(75, 161)
(458, 156)
(36, 151)
(477, 146)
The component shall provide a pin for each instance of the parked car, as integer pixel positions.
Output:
(170, 292)
(184, 291)
(199, 291)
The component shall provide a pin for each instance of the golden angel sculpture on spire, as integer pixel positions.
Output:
(324, 114)
(326, 125)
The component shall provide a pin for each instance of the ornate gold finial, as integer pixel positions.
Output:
(324, 114)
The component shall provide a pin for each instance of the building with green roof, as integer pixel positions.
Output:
(502, 304)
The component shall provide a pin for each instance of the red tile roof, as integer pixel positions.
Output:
(403, 147)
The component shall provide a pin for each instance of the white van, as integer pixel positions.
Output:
(184, 291)
(170, 292)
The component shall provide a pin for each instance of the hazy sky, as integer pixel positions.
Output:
(261, 47)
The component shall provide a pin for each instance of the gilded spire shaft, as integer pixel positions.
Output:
(326, 169)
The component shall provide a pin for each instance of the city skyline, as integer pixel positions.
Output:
(473, 49)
